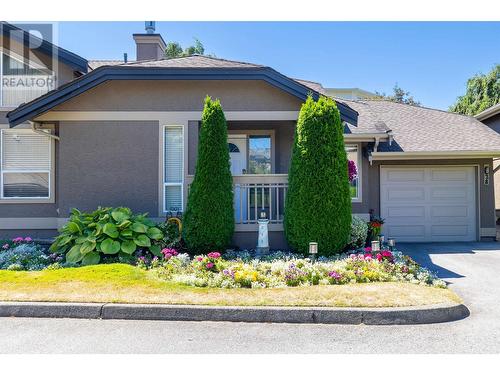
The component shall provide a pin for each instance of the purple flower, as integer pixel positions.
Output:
(28, 239)
(352, 169)
(17, 239)
(334, 275)
(6, 246)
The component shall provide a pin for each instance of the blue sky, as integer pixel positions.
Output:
(431, 60)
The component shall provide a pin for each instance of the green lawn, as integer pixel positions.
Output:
(127, 284)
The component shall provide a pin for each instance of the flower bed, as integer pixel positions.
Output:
(240, 270)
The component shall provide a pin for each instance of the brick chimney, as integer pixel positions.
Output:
(149, 46)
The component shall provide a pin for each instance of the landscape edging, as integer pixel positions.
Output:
(267, 314)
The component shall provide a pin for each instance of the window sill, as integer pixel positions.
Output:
(27, 201)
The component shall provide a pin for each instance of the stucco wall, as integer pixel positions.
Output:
(108, 164)
(181, 96)
(494, 123)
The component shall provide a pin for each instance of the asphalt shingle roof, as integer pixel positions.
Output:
(429, 130)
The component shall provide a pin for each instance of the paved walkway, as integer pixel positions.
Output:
(472, 269)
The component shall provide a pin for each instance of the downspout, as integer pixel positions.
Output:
(35, 127)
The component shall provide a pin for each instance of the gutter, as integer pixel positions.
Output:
(489, 112)
(426, 155)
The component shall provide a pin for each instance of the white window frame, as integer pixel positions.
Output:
(359, 162)
(49, 171)
(165, 184)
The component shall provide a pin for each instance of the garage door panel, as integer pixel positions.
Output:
(449, 230)
(447, 175)
(402, 194)
(449, 211)
(405, 175)
(423, 204)
(450, 193)
(406, 211)
(406, 231)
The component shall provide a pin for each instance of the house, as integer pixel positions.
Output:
(491, 118)
(350, 93)
(116, 133)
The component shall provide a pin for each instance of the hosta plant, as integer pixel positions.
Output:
(106, 232)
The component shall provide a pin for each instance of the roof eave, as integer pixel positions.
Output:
(429, 155)
(105, 73)
(489, 112)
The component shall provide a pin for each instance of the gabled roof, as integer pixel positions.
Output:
(78, 63)
(488, 112)
(421, 129)
(185, 68)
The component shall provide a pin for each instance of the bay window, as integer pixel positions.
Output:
(25, 165)
(173, 164)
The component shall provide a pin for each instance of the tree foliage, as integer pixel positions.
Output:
(174, 49)
(482, 92)
(318, 202)
(399, 96)
(209, 217)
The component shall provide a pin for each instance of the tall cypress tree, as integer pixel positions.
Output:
(318, 203)
(209, 217)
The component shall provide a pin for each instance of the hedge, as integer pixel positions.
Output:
(318, 203)
(209, 217)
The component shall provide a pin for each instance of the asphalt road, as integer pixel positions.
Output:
(472, 270)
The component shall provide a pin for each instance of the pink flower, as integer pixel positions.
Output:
(368, 257)
(17, 239)
(368, 249)
(28, 239)
(6, 246)
(386, 253)
(210, 265)
(213, 255)
(199, 258)
(353, 256)
(379, 257)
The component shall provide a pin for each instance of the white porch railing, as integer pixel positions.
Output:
(256, 193)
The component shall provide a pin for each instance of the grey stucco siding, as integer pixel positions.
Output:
(109, 164)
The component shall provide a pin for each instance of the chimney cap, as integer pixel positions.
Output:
(150, 27)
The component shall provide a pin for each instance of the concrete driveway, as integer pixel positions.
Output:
(472, 269)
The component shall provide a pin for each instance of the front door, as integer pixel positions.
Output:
(237, 144)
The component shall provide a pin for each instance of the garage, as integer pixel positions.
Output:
(429, 204)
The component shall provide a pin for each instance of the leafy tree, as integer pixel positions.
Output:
(483, 91)
(399, 96)
(318, 202)
(174, 49)
(209, 217)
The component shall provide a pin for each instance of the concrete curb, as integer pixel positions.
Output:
(323, 315)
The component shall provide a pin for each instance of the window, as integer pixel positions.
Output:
(173, 173)
(25, 164)
(259, 154)
(20, 82)
(354, 155)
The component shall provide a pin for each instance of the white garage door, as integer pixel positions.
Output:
(427, 204)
